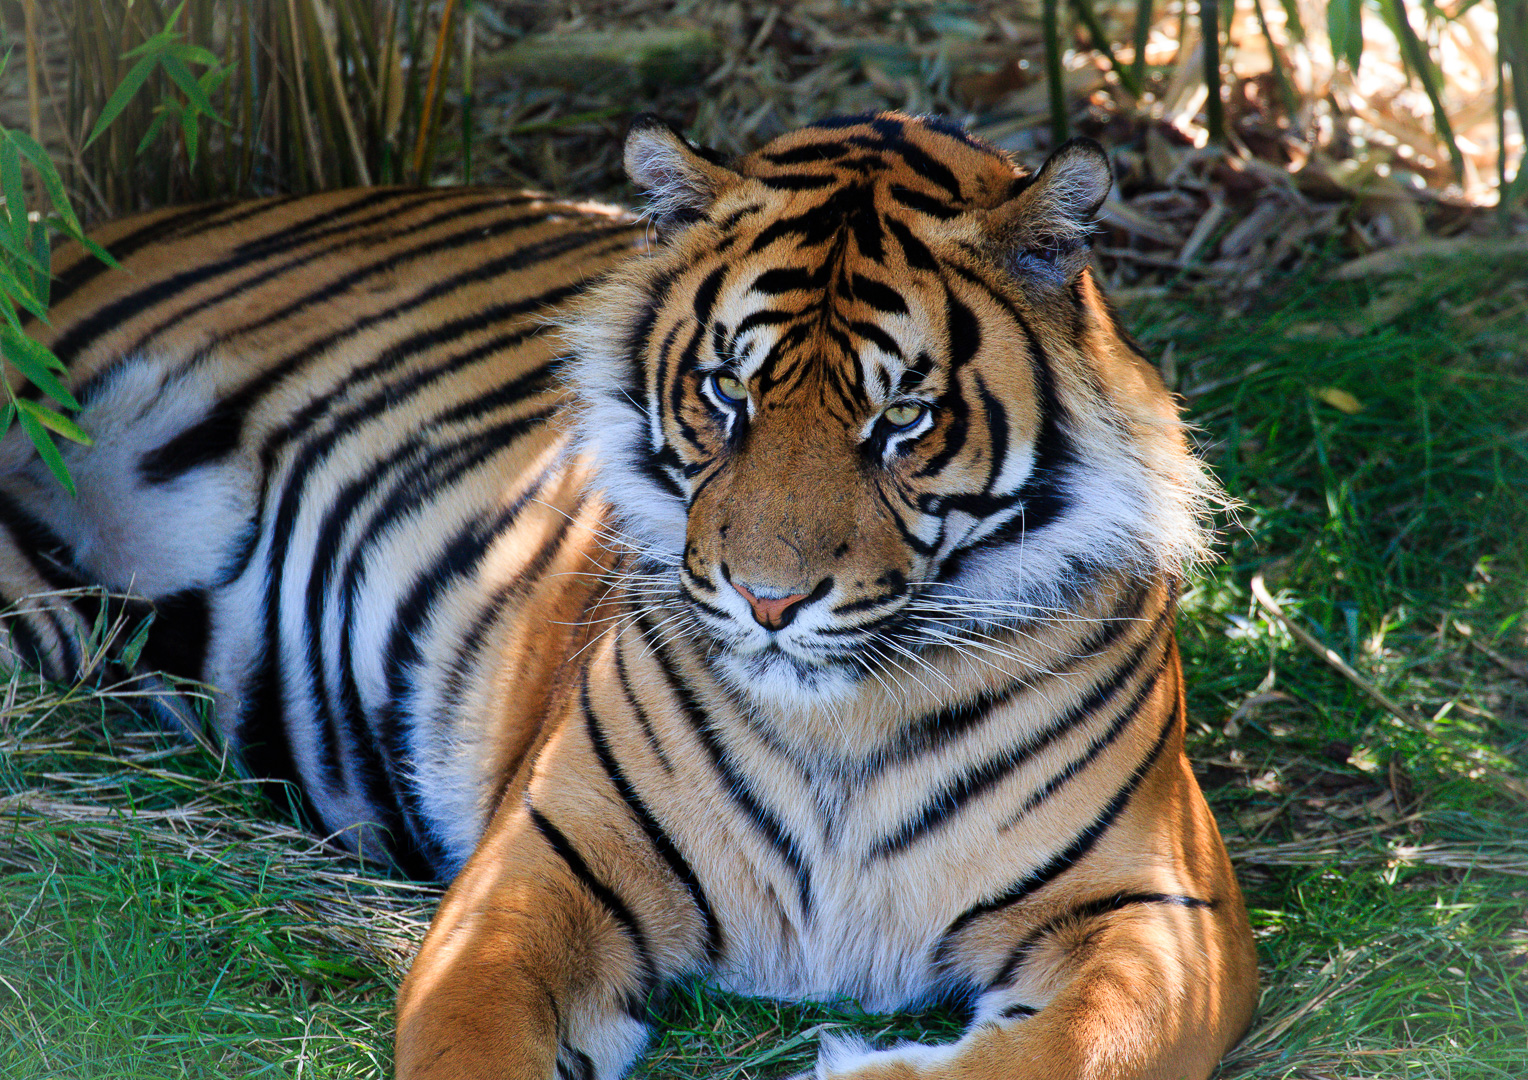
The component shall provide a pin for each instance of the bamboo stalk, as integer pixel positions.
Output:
(1421, 65)
(467, 98)
(342, 103)
(1060, 127)
(1286, 88)
(1100, 41)
(1214, 108)
(1143, 12)
(34, 105)
(424, 144)
(303, 113)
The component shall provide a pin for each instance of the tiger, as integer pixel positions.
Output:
(775, 588)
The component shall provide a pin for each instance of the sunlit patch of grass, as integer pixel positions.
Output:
(1377, 435)
(161, 921)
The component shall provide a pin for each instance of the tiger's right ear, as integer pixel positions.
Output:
(681, 180)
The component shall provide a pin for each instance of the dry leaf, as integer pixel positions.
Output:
(1340, 400)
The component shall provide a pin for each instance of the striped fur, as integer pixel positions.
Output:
(780, 590)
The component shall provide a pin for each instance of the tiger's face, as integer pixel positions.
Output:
(865, 397)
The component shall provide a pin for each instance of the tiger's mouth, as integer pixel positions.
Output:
(803, 651)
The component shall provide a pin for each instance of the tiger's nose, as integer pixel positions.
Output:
(774, 613)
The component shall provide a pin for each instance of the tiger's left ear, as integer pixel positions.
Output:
(1045, 228)
(681, 180)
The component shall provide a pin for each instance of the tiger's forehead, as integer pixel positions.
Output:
(927, 157)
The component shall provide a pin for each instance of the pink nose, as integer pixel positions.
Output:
(770, 614)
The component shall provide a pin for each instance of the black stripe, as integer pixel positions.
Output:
(1090, 909)
(1014, 1012)
(434, 336)
(921, 163)
(872, 333)
(662, 843)
(731, 220)
(525, 255)
(25, 643)
(733, 783)
(1063, 860)
(878, 295)
(643, 720)
(1068, 772)
(705, 293)
(81, 334)
(87, 268)
(797, 181)
(44, 550)
(457, 558)
(783, 280)
(416, 473)
(597, 888)
(924, 204)
(918, 256)
(181, 633)
(316, 451)
(204, 442)
(953, 796)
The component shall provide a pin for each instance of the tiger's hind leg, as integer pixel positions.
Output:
(138, 537)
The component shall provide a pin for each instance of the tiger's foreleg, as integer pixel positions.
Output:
(1138, 986)
(543, 955)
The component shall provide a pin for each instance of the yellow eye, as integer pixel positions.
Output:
(903, 416)
(729, 389)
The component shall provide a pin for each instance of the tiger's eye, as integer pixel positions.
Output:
(903, 416)
(729, 389)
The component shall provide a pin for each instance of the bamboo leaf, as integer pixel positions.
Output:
(155, 126)
(42, 260)
(8, 311)
(33, 361)
(121, 96)
(1345, 25)
(55, 422)
(188, 129)
(133, 650)
(16, 291)
(181, 75)
(13, 187)
(1292, 23)
(1422, 67)
(51, 182)
(46, 449)
(196, 54)
(16, 248)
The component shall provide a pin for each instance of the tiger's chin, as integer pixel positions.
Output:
(771, 677)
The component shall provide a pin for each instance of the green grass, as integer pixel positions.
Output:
(165, 921)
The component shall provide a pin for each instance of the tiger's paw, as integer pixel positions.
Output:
(843, 1056)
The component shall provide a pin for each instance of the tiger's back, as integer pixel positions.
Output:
(781, 591)
(324, 451)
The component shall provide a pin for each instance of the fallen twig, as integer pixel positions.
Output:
(1509, 783)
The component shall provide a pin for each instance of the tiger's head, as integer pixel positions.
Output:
(865, 393)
